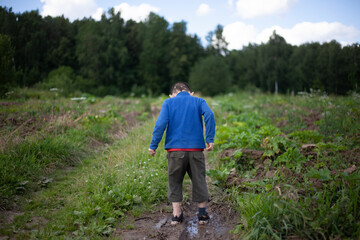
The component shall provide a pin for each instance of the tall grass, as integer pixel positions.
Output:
(302, 140)
(44, 131)
(95, 196)
(22, 164)
(266, 216)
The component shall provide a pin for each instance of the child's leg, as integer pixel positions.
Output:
(198, 177)
(176, 209)
(177, 165)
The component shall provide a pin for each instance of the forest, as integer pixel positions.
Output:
(127, 58)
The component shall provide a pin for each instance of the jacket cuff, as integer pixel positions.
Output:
(152, 147)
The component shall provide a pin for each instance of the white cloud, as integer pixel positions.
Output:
(97, 15)
(72, 9)
(136, 13)
(203, 10)
(259, 8)
(230, 3)
(239, 34)
(313, 32)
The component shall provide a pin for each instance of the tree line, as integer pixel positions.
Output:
(117, 57)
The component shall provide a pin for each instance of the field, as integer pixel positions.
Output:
(284, 167)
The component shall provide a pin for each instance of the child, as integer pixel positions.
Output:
(182, 117)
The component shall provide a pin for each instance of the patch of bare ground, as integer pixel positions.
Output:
(8, 217)
(36, 221)
(310, 120)
(156, 224)
(351, 156)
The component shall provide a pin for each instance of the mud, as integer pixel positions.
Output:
(156, 225)
(8, 217)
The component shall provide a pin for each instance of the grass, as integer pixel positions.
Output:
(42, 131)
(23, 163)
(268, 216)
(301, 186)
(74, 168)
(123, 178)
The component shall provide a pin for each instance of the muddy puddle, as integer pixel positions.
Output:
(156, 225)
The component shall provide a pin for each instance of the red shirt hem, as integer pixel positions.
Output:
(185, 149)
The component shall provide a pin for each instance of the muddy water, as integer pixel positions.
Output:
(213, 230)
(156, 225)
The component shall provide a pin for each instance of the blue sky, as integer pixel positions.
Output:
(244, 21)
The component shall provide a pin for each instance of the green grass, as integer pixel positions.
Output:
(96, 195)
(41, 134)
(22, 164)
(92, 199)
(267, 216)
(307, 195)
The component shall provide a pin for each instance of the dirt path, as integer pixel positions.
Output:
(156, 224)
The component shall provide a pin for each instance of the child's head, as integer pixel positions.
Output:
(180, 86)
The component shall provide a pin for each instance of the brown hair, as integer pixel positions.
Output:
(180, 86)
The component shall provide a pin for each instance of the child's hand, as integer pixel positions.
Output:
(152, 152)
(210, 146)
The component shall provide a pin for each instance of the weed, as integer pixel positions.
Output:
(266, 216)
(304, 193)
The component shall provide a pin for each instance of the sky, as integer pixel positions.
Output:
(244, 21)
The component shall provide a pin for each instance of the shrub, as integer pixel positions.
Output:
(210, 76)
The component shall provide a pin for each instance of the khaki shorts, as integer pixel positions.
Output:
(192, 163)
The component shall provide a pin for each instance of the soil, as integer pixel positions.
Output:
(156, 225)
(311, 119)
(8, 216)
(351, 156)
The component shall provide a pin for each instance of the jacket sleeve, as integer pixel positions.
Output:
(209, 122)
(160, 126)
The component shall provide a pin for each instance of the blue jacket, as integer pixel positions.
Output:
(182, 117)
